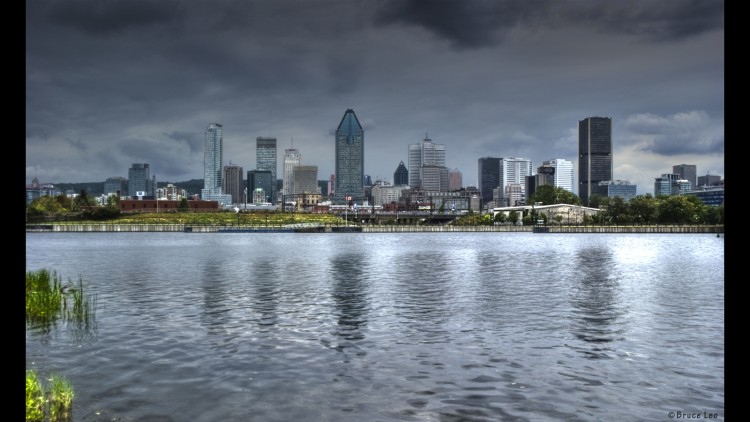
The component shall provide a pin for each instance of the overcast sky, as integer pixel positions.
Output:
(112, 83)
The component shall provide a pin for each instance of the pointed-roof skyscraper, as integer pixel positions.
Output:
(350, 160)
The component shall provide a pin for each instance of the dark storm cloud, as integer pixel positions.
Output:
(682, 133)
(111, 16)
(139, 81)
(482, 23)
(193, 140)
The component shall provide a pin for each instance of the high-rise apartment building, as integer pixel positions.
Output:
(213, 157)
(233, 184)
(512, 170)
(350, 159)
(292, 158)
(488, 177)
(401, 175)
(265, 159)
(688, 172)
(594, 154)
(421, 154)
(139, 180)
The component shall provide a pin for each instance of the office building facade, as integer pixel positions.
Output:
(488, 177)
(116, 184)
(266, 160)
(139, 180)
(614, 188)
(513, 170)
(688, 172)
(455, 180)
(350, 160)
(594, 154)
(233, 184)
(261, 184)
(421, 154)
(292, 159)
(305, 179)
(563, 175)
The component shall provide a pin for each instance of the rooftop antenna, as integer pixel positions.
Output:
(269, 122)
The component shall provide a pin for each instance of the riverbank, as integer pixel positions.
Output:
(321, 228)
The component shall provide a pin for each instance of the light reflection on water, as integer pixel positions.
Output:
(412, 327)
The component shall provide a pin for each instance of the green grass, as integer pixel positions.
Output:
(48, 301)
(254, 218)
(51, 401)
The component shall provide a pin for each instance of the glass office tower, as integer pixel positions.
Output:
(350, 160)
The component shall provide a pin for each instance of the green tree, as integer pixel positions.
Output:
(513, 217)
(550, 195)
(500, 217)
(677, 209)
(596, 200)
(544, 194)
(184, 207)
(642, 209)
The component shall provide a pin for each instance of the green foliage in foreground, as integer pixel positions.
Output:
(49, 300)
(50, 401)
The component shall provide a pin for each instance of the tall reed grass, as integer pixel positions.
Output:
(48, 401)
(48, 301)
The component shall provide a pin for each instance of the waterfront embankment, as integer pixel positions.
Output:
(321, 228)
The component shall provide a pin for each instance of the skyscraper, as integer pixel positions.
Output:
(213, 157)
(292, 159)
(401, 175)
(594, 154)
(265, 159)
(688, 172)
(423, 154)
(350, 159)
(488, 177)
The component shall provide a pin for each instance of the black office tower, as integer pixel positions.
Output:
(489, 177)
(594, 154)
(401, 175)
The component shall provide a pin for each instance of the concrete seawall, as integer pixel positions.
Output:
(186, 228)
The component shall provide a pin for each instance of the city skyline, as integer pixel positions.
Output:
(108, 86)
